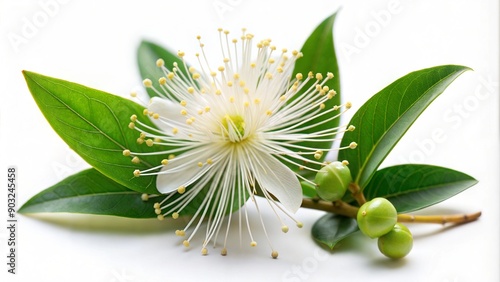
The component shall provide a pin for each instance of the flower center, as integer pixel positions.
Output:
(234, 128)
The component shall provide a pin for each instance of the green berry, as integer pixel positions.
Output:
(397, 243)
(332, 181)
(376, 217)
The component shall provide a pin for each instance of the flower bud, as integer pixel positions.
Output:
(332, 181)
(397, 243)
(377, 217)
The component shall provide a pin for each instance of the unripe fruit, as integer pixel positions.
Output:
(332, 181)
(376, 217)
(397, 243)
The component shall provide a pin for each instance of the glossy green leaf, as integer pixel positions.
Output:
(385, 118)
(147, 55)
(412, 187)
(319, 57)
(332, 228)
(95, 125)
(91, 192)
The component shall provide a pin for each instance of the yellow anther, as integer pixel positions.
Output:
(175, 215)
(210, 161)
(310, 74)
(162, 80)
(329, 75)
(284, 228)
(175, 130)
(253, 65)
(274, 254)
(213, 74)
(156, 116)
(145, 112)
(271, 61)
(223, 252)
(164, 162)
(200, 111)
(218, 92)
(269, 112)
(171, 156)
(144, 197)
(181, 189)
(322, 106)
(149, 142)
(136, 160)
(317, 156)
(160, 217)
(181, 54)
(137, 173)
(295, 52)
(170, 75)
(183, 103)
(160, 63)
(231, 99)
(190, 121)
(241, 83)
(131, 125)
(236, 76)
(269, 75)
(207, 109)
(221, 68)
(345, 162)
(140, 141)
(300, 224)
(126, 152)
(200, 164)
(147, 82)
(180, 233)
(133, 118)
(186, 243)
(353, 145)
(204, 251)
(183, 112)
(158, 211)
(196, 75)
(348, 105)
(299, 76)
(133, 94)
(246, 90)
(351, 128)
(190, 90)
(156, 206)
(253, 244)
(256, 101)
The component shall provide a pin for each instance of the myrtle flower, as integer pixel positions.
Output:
(228, 131)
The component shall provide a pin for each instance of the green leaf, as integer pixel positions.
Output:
(319, 57)
(95, 125)
(385, 118)
(308, 189)
(412, 187)
(93, 193)
(147, 55)
(332, 228)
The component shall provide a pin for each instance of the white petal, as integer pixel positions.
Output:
(167, 110)
(183, 169)
(280, 181)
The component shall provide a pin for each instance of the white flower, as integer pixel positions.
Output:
(230, 130)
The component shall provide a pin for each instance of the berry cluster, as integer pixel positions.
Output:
(376, 218)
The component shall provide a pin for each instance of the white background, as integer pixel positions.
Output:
(94, 43)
